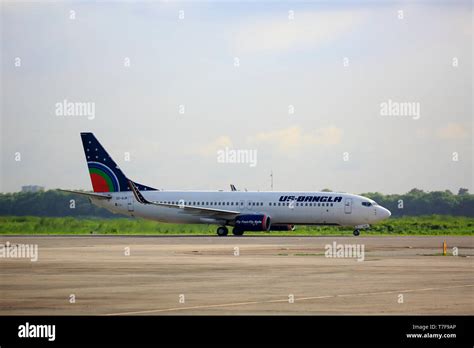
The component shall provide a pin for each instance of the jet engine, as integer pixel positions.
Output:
(252, 222)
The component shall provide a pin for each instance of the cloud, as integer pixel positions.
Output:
(306, 30)
(210, 149)
(285, 140)
(294, 138)
(452, 131)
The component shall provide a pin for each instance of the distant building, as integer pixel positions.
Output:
(32, 188)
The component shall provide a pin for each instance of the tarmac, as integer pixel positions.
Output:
(261, 275)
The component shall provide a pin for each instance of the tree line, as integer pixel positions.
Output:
(57, 204)
(418, 202)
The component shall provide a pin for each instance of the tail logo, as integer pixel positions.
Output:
(103, 178)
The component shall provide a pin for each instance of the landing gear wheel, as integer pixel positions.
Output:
(356, 232)
(237, 232)
(222, 231)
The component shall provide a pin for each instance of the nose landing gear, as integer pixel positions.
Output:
(359, 227)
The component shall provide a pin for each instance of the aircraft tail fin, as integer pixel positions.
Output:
(106, 176)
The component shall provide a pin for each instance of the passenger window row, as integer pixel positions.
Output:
(200, 203)
(193, 203)
(304, 204)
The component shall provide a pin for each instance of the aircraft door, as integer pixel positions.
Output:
(130, 204)
(348, 206)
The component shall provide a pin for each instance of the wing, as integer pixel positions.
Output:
(201, 211)
(89, 194)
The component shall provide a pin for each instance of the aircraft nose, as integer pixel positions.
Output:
(383, 213)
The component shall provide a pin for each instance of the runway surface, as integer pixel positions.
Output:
(183, 275)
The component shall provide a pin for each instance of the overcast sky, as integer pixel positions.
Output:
(302, 84)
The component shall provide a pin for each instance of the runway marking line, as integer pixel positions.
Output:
(284, 300)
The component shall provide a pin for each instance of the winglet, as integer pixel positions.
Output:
(136, 192)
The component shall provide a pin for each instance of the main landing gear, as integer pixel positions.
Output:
(222, 231)
(356, 232)
(237, 232)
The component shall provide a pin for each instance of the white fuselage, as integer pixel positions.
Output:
(296, 208)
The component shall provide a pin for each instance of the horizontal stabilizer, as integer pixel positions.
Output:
(89, 194)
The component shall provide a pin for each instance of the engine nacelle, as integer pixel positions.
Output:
(252, 222)
(282, 228)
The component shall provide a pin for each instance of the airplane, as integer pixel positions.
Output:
(241, 210)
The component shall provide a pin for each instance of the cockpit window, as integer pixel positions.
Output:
(366, 204)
